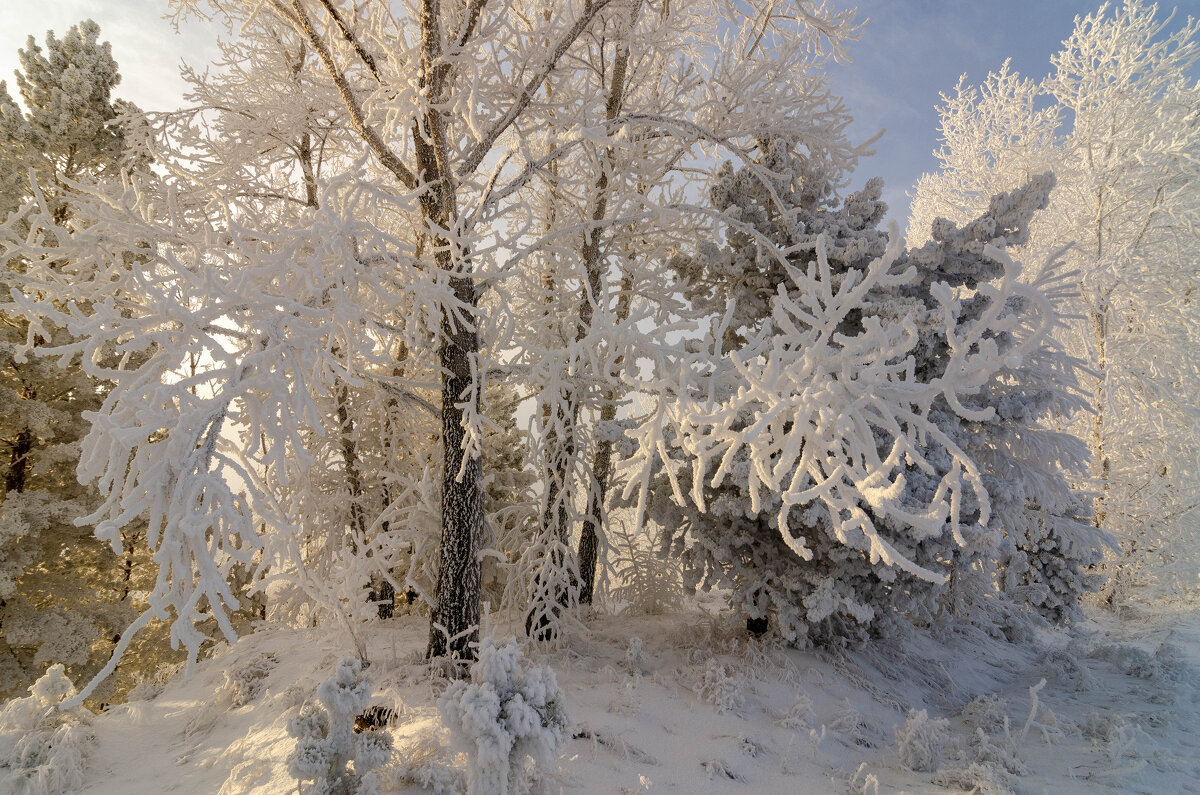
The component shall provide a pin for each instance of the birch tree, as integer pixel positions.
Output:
(251, 298)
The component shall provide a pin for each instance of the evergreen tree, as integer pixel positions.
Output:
(63, 593)
(877, 439)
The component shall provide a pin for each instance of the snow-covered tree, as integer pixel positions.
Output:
(878, 408)
(1117, 125)
(63, 593)
(258, 303)
(594, 302)
(44, 748)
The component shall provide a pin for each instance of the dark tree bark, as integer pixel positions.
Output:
(454, 626)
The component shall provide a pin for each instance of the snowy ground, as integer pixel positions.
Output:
(710, 712)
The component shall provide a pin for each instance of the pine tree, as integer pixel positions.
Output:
(63, 593)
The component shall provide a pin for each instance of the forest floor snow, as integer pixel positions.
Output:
(707, 710)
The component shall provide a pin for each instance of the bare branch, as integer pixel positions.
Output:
(478, 152)
(389, 159)
(363, 55)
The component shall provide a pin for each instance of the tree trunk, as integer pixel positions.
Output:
(454, 625)
(588, 554)
(589, 540)
(1103, 466)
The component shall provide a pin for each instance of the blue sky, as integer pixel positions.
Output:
(910, 51)
(913, 49)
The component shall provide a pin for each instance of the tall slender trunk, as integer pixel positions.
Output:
(1102, 464)
(454, 624)
(1099, 319)
(591, 252)
(589, 539)
(349, 449)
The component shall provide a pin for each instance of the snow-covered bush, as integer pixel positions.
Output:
(919, 742)
(508, 719)
(326, 742)
(426, 764)
(992, 761)
(647, 582)
(43, 750)
(635, 656)
(800, 715)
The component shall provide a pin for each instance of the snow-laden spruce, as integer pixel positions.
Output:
(63, 593)
(833, 457)
(509, 720)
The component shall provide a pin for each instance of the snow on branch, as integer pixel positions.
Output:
(228, 338)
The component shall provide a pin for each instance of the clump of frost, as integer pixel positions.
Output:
(719, 769)
(994, 760)
(44, 748)
(853, 725)
(800, 715)
(1112, 735)
(508, 719)
(245, 682)
(635, 656)
(425, 765)
(919, 742)
(326, 743)
(975, 778)
(863, 782)
(988, 713)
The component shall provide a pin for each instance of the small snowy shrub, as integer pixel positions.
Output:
(995, 758)
(720, 686)
(44, 748)
(853, 724)
(800, 715)
(425, 764)
(646, 582)
(975, 778)
(508, 720)
(989, 713)
(919, 743)
(862, 782)
(326, 743)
